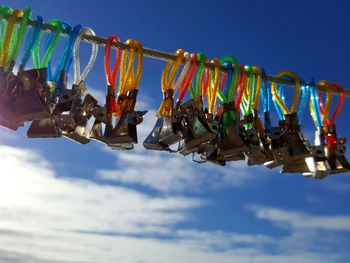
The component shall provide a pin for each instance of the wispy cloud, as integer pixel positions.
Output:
(300, 220)
(48, 218)
(32, 193)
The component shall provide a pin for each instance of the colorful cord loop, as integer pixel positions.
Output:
(303, 101)
(4, 12)
(187, 80)
(167, 83)
(315, 110)
(249, 92)
(183, 73)
(51, 46)
(230, 89)
(31, 41)
(276, 94)
(200, 89)
(266, 92)
(240, 87)
(22, 30)
(128, 79)
(78, 78)
(10, 38)
(214, 86)
(258, 87)
(326, 110)
(111, 74)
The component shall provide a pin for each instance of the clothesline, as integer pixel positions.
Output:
(161, 55)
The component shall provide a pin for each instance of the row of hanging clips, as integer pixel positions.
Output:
(221, 122)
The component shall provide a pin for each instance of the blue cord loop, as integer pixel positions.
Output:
(315, 103)
(31, 41)
(66, 57)
(66, 61)
(304, 99)
(266, 98)
(265, 92)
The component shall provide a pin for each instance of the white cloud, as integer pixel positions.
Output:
(32, 193)
(338, 185)
(302, 221)
(48, 218)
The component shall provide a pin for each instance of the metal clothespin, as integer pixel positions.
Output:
(318, 166)
(31, 104)
(48, 126)
(9, 95)
(255, 138)
(97, 133)
(288, 145)
(124, 135)
(230, 144)
(198, 129)
(78, 117)
(167, 131)
(335, 151)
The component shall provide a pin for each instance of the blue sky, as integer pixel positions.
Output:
(64, 202)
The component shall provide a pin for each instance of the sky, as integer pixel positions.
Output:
(65, 202)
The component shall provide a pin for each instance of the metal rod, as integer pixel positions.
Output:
(161, 55)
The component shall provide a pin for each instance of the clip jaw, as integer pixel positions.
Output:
(168, 129)
(8, 97)
(318, 166)
(199, 129)
(124, 135)
(259, 151)
(47, 125)
(230, 144)
(96, 133)
(289, 146)
(152, 141)
(79, 116)
(31, 103)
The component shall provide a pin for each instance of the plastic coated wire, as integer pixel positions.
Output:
(161, 55)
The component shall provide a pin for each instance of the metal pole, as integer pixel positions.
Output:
(161, 55)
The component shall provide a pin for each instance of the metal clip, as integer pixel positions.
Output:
(199, 129)
(287, 143)
(335, 152)
(152, 141)
(259, 152)
(44, 128)
(82, 113)
(230, 145)
(317, 164)
(8, 100)
(96, 132)
(124, 135)
(31, 104)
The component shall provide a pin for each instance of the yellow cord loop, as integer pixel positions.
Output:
(170, 70)
(258, 73)
(296, 94)
(9, 37)
(128, 80)
(214, 86)
(167, 81)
